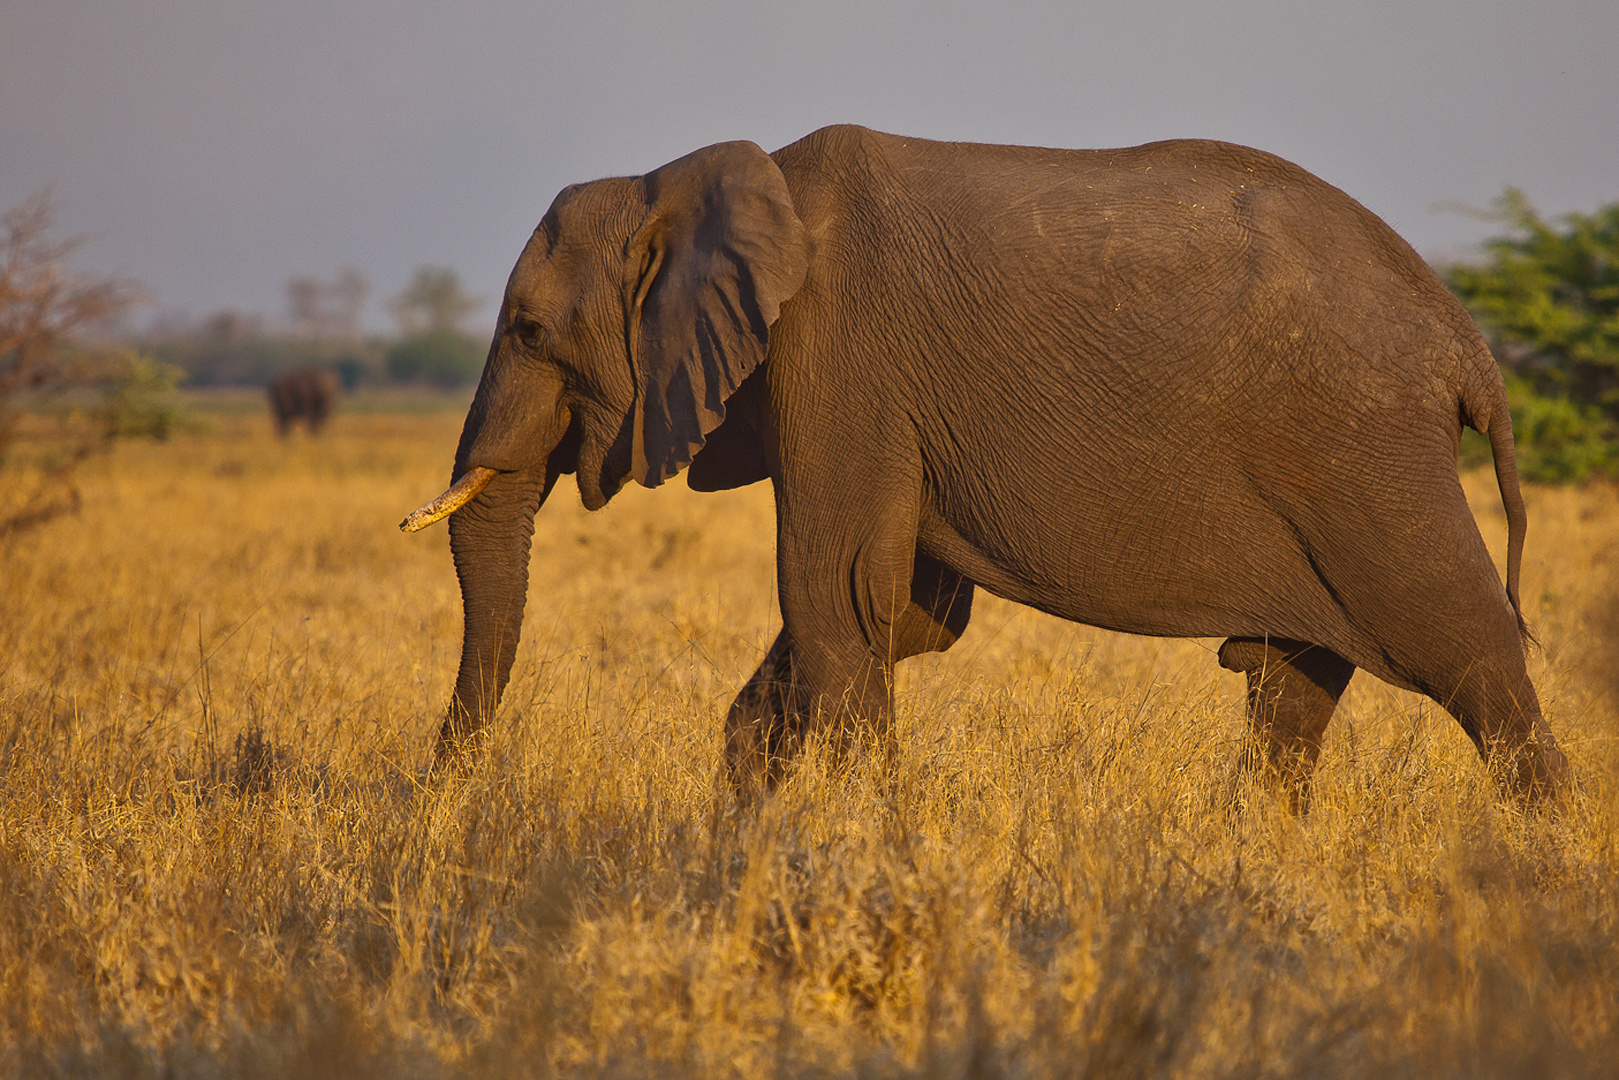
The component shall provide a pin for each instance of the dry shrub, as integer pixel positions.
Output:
(221, 853)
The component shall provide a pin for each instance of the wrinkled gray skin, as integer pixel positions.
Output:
(1182, 389)
(305, 394)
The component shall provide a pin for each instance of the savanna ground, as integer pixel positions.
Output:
(220, 853)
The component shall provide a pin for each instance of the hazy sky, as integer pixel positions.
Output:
(212, 148)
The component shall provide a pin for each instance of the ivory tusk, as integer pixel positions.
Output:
(461, 492)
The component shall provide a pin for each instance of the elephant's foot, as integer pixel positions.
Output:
(778, 713)
(757, 733)
(1531, 770)
(1293, 688)
(461, 738)
(755, 755)
(1495, 702)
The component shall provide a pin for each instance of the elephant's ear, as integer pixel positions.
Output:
(720, 250)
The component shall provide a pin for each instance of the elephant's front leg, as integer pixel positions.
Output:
(793, 696)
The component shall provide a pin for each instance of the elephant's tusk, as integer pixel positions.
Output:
(461, 492)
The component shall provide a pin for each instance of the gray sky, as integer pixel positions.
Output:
(213, 148)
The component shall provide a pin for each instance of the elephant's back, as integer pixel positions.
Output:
(1176, 241)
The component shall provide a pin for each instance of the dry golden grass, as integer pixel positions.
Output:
(219, 854)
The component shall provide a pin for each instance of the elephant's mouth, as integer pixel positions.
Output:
(460, 493)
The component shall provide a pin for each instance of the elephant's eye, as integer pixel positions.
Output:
(530, 332)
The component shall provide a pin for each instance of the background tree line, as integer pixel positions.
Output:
(323, 327)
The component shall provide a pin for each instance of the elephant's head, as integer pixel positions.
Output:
(635, 311)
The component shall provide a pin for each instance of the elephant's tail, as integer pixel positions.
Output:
(1493, 420)
(1506, 475)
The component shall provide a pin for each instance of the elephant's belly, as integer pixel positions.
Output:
(1168, 571)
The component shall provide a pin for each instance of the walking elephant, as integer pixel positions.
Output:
(303, 393)
(1182, 389)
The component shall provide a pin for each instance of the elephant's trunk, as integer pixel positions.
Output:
(516, 442)
(490, 538)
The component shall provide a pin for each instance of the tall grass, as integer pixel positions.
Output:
(220, 853)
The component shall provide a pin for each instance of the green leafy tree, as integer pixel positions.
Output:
(1547, 293)
(445, 357)
(433, 348)
(434, 300)
(138, 399)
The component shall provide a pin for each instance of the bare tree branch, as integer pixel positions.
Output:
(45, 312)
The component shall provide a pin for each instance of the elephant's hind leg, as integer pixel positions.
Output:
(1429, 601)
(1293, 688)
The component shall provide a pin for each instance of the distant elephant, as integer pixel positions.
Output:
(1183, 389)
(304, 393)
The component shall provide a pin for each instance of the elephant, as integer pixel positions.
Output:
(1182, 389)
(302, 393)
